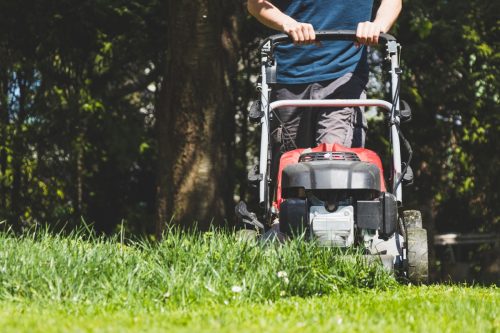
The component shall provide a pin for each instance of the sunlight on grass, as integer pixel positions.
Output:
(183, 269)
(211, 282)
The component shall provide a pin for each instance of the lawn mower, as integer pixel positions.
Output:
(334, 195)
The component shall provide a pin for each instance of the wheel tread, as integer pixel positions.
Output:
(418, 260)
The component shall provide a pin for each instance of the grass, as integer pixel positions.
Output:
(183, 269)
(405, 309)
(213, 282)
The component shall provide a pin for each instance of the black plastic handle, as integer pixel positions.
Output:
(325, 35)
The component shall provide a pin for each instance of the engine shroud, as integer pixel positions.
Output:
(332, 175)
(329, 167)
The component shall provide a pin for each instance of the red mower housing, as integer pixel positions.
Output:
(292, 157)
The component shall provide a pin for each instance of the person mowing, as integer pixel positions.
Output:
(332, 70)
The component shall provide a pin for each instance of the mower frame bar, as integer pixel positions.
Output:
(331, 103)
(387, 106)
(268, 77)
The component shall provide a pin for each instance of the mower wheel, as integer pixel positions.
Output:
(417, 255)
(247, 235)
(412, 219)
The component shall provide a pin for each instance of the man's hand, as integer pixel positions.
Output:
(301, 33)
(368, 33)
(271, 16)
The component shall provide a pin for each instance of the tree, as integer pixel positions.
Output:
(195, 117)
(452, 66)
(73, 82)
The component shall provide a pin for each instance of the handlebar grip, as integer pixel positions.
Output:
(325, 35)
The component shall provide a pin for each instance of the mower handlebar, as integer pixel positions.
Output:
(324, 35)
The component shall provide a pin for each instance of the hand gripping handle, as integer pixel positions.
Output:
(323, 35)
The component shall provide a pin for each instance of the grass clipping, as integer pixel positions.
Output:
(183, 269)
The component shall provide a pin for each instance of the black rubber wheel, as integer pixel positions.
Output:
(412, 218)
(417, 255)
(247, 235)
(417, 252)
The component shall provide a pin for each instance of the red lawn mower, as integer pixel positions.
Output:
(334, 195)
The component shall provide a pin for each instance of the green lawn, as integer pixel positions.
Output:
(215, 283)
(404, 309)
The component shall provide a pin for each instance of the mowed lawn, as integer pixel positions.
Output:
(406, 309)
(213, 282)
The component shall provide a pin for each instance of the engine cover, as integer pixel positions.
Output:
(332, 228)
(350, 176)
(332, 175)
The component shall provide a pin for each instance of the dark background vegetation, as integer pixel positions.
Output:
(134, 113)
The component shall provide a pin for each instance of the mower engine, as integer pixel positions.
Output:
(335, 197)
(332, 228)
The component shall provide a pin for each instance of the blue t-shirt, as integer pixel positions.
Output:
(331, 60)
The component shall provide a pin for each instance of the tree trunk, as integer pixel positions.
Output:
(18, 151)
(195, 125)
(4, 122)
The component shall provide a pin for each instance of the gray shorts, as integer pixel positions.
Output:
(308, 127)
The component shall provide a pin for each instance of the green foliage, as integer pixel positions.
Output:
(451, 61)
(72, 87)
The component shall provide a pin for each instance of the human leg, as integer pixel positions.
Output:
(291, 127)
(345, 126)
